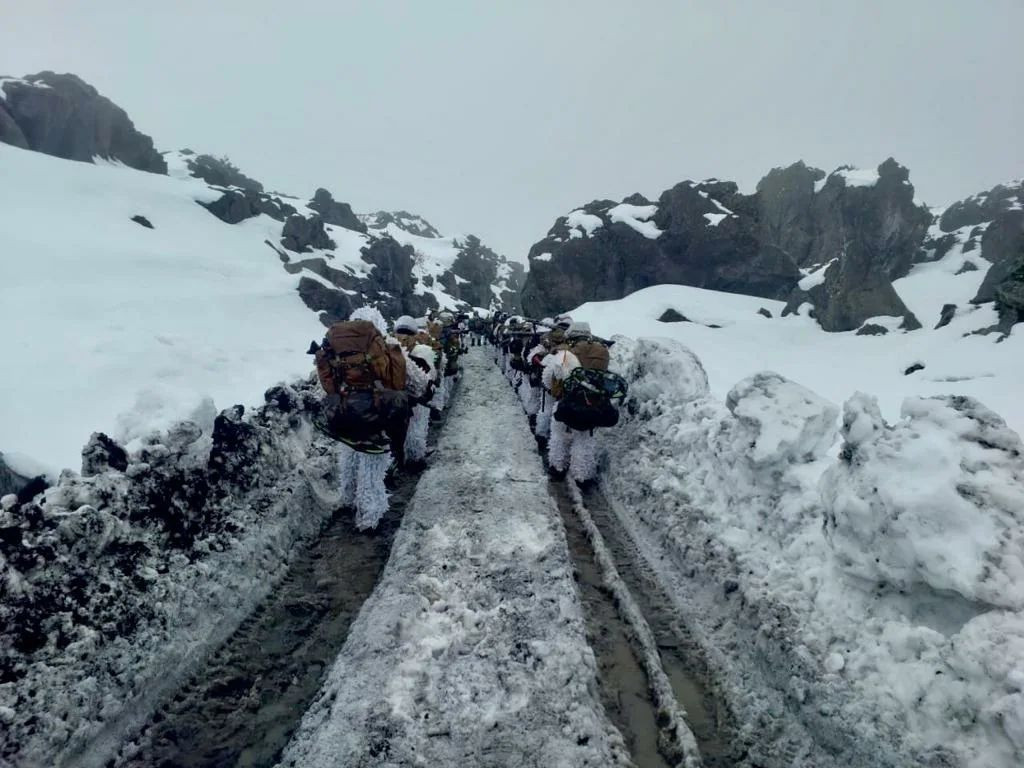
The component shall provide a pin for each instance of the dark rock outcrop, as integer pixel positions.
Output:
(706, 236)
(410, 222)
(64, 116)
(334, 212)
(101, 454)
(235, 206)
(709, 235)
(301, 234)
(672, 316)
(872, 329)
(946, 315)
(219, 172)
(10, 481)
(142, 221)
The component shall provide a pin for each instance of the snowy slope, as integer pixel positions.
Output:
(835, 365)
(113, 326)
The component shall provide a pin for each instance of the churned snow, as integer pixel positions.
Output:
(636, 217)
(112, 326)
(870, 599)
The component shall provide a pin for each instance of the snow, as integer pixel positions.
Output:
(835, 365)
(126, 329)
(851, 177)
(878, 580)
(714, 219)
(542, 257)
(816, 277)
(581, 223)
(636, 216)
(472, 649)
(858, 177)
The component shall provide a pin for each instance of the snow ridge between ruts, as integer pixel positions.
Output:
(472, 649)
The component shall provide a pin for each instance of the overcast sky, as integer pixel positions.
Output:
(496, 117)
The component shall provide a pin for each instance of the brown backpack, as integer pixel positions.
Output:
(355, 355)
(591, 353)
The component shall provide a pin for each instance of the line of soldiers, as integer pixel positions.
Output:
(559, 370)
(382, 390)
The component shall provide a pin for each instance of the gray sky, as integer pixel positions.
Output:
(496, 117)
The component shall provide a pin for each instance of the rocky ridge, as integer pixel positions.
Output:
(829, 244)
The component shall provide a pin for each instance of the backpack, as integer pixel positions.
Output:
(354, 355)
(587, 399)
(591, 352)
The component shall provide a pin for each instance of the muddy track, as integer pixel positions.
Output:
(244, 703)
(711, 721)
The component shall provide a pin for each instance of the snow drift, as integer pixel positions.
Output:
(868, 603)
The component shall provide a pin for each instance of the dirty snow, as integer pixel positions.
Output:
(472, 649)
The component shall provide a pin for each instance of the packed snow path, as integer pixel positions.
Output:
(472, 649)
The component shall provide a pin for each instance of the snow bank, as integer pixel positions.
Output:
(836, 365)
(936, 499)
(114, 586)
(127, 329)
(865, 607)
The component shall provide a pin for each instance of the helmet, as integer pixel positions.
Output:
(405, 324)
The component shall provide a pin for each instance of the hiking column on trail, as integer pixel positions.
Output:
(472, 649)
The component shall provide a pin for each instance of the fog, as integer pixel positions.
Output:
(496, 118)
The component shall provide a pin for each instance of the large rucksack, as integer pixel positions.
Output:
(587, 399)
(364, 378)
(354, 355)
(592, 353)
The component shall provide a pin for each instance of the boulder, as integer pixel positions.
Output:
(142, 221)
(946, 315)
(64, 116)
(334, 212)
(872, 329)
(672, 316)
(301, 234)
(100, 454)
(235, 206)
(220, 172)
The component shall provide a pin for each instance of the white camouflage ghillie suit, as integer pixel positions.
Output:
(569, 450)
(361, 475)
(419, 425)
(547, 403)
